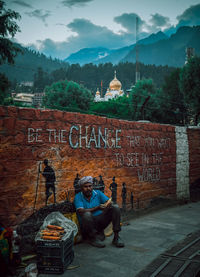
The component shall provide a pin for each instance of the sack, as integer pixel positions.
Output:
(74, 218)
(56, 218)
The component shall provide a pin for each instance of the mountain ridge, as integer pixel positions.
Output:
(27, 63)
(169, 52)
(158, 49)
(91, 55)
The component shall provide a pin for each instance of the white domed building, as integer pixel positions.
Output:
(114, 91)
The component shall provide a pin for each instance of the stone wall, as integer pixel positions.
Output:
(148, 157)
(182, 162)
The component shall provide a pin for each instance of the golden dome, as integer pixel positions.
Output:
(115, 84)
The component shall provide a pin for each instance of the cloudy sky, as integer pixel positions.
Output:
(61, 27)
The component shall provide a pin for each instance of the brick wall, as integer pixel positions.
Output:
(143, 155)
(194, 150)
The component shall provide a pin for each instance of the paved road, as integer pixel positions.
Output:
(145, 238)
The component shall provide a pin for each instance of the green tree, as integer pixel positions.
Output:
(8, 50)
(172, 100)
(59, 74)
(118, 108)
(144, 101)
(74, 73)
(41, 79)
(8, 28)
(4, 85)
(67, 95)
(190, 86)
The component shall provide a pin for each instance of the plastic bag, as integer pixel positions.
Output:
(56, 218)
(31, 270)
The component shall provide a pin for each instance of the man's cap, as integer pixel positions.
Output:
(85, 180)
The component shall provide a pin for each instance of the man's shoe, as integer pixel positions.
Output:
(118, 242)
(101, 236)
(96, 243)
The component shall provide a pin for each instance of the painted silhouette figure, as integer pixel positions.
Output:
(76, 184)
(101, 184)
(131, 199)
(123, 196)
(50, 177)
(113, 188)
(95, 183)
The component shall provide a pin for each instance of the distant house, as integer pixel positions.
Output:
(24, 98)
(37, 99)
(27, 83)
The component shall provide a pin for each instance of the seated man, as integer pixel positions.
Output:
(95, 212)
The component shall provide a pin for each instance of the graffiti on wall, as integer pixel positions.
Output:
(147, 163)
(77, 136)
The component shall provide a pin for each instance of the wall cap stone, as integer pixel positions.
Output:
(193, 127)
(144, 121)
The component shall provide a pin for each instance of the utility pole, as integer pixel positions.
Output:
(101, 88)
(137, 73)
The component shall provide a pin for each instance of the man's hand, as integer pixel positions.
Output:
(81, 211)
(106, 204)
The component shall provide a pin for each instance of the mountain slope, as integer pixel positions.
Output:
(170, 51)
(103, 55)
(88, 55)
(26, 65)
(116, 55)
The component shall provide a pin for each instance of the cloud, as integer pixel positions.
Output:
(128, 21)
(71, 3)
(60, 24)
(86, 35)
(52, 48)
(190, 17)
(157, 23)
(40, 14)
(91, 34)
(84, 27)
(22, 3)
(159, 20)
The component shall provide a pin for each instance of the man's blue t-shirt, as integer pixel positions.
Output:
(97, 198)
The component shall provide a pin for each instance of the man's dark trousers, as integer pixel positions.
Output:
(92, 225)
